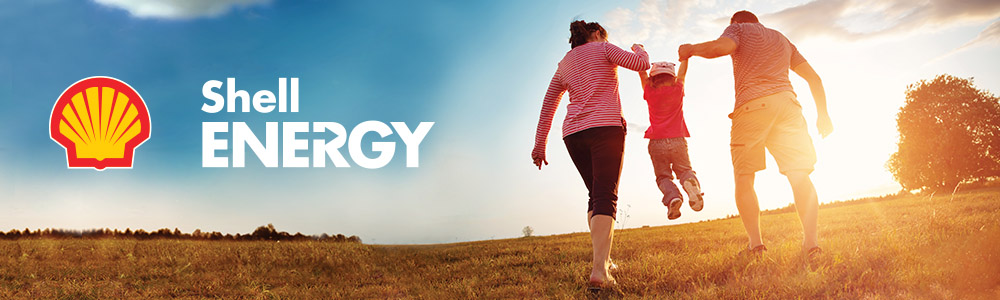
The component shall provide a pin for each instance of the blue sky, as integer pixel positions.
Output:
(478, 70)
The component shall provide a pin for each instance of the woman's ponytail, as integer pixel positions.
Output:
(580, 32)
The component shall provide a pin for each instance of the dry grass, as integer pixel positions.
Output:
(912, 247)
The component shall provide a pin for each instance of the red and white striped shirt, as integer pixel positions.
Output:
(761, 61)
(590, 73)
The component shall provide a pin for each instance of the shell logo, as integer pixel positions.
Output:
(100, 121)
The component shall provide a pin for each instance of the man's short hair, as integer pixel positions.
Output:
(743, 17)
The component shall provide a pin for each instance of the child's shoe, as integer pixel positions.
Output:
(695, 195)
(674, 208)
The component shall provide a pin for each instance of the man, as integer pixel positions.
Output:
(767, 115)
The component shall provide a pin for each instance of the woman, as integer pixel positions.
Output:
(594, 130)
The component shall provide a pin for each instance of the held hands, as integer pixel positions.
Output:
(824, 124)
(684, 52)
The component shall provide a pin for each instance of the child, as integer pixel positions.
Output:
(663, 90)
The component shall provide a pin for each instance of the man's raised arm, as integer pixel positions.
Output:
(721, 47)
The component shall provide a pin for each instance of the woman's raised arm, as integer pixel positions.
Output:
(638, 61)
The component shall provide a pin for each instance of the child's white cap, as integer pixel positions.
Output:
(662, 67)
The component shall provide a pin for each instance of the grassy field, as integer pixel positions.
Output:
(911, 247)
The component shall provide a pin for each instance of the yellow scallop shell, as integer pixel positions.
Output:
(100, 121)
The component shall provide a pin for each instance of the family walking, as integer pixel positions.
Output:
(766, 115)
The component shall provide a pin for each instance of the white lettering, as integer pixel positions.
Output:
(263, 101)
(232, 94)
(412, 140)
(332, 149)
(290, 145)
(243, 136)
(295, 94)
(287, 100)
(206, 90)
(209, 145)
(385, 149)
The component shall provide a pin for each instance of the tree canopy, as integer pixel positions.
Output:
(949, 133)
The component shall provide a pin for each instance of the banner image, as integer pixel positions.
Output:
(279, 149)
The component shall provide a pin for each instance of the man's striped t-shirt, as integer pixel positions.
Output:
(761, 61)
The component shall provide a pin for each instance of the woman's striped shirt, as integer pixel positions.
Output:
(590, 73)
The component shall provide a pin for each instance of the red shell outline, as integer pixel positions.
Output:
(72, 161)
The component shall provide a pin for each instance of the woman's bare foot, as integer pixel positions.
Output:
(598, 278)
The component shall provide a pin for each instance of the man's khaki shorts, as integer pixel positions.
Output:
(774, 122)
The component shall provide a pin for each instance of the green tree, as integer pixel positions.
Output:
(949, 133)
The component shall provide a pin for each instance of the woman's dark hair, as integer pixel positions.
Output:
(580, 31)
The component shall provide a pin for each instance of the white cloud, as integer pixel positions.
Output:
(663, 23)
(857, 19)
(179, 9)
(989, 35)
(652, 21)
